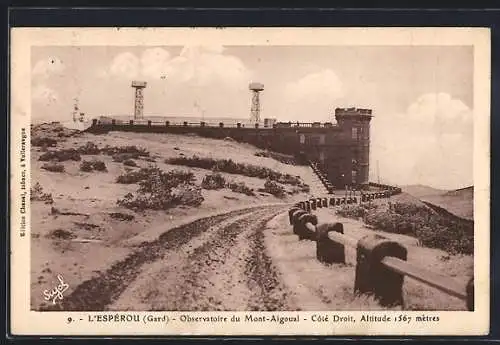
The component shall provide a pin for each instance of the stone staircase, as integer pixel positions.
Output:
(322, 178)
(317, 186)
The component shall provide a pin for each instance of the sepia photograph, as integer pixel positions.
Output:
(251, 177)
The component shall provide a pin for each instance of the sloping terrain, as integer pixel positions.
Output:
(458, 202)
(84, 231)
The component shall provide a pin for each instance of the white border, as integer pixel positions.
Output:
(26, 322)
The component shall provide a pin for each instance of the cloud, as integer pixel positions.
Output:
(46, 103)
(125, 65)
(314, 93)
(48, 67)
(199, 79)
(197, 65)
(439, 108)
(155, 63)
(44, 94)
(431, 143)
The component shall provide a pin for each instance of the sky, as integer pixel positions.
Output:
(421, 96)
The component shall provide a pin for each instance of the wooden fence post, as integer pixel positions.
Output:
(372, 276)
(328, 251)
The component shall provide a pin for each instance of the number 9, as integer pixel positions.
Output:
(70, 319)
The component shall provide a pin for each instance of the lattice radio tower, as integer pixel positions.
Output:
(139, 99)
(256, 88)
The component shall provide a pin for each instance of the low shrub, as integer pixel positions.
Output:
(99, 165)
(53, 166)
(261, 154)
(231, 167)
(131, 149)
(37, 194)
(121, 216)
(130, 163)
(160, 190)
(213, 181)
(241, 187)
(60, 234)
(186, 194)
(60, 155)
(86, 166)
(355, 211)
(89, 149)
(122, 157)
(135, 176)
(433, 230)
(274, 188)
(43, 141)
(304, 188)
(95, 164)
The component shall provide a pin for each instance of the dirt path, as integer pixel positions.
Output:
(215, 263)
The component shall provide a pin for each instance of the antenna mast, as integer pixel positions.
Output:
(256, 88)
(75, 109)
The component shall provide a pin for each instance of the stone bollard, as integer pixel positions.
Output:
(325, 202)
(290, 213)
(328, 251)
(319, 203)
(303, 232)
(313, 204)
(295, 223)
(372, 277)
(470, 294)
(308, 206)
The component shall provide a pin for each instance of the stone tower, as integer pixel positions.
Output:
(355, 124)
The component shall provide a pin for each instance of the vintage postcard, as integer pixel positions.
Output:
(249, 181)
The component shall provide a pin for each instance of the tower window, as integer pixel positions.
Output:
(354, 132)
